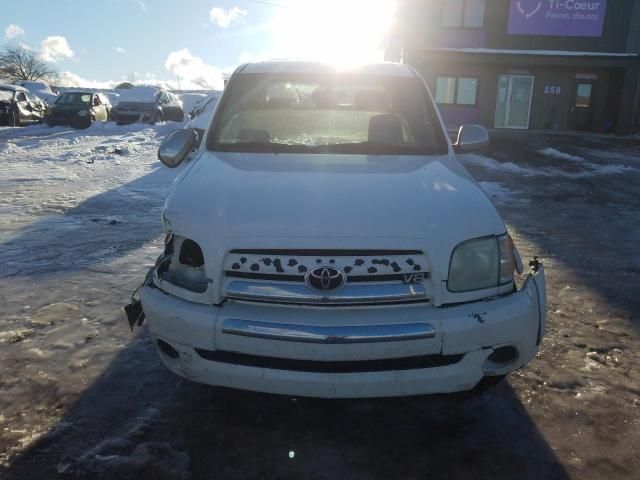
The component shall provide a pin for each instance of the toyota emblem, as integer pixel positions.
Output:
(325, 278)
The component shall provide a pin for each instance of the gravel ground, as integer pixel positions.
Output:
(83, 397)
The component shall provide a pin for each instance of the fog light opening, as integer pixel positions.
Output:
(503, 355)
(167, 349)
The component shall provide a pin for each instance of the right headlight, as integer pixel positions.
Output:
(480, 263)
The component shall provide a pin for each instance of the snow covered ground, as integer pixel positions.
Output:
(62, 183)
(83, 397)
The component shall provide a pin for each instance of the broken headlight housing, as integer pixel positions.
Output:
(182, 264)
(481, 263)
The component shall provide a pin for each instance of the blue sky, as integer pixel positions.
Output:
(111, 40)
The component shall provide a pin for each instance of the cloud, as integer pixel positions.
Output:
(224, 18)
(70, 79)
(55, 48)
(193, 72)
(120, 50)
(13, 31)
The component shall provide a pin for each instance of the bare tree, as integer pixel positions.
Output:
(22, 63)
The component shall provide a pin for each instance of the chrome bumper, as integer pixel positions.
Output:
(347, 352)
(328, 335)
(349, 294)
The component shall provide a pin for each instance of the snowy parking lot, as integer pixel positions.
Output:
(83, 397)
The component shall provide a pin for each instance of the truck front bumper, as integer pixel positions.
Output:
(348, 352)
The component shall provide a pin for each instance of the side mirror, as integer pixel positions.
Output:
(471, 137)
(175, 147)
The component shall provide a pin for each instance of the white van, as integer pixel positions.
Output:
(324, 241)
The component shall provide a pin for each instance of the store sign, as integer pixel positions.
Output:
(564, 18)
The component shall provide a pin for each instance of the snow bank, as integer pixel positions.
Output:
(8, 148)
(491, 164)
(552, 152)
(591, 169)
(140, 95)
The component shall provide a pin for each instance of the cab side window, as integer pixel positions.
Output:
(21, 97)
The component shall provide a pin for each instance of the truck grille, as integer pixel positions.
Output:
(371, 276)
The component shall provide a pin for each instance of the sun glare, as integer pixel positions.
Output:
(342, 32)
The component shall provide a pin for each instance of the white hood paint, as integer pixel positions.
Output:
(233, 200)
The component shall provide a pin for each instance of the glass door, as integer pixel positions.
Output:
(513, 103)
(581, 117)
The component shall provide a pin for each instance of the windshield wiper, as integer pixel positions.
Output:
(360, 148)
(370, 148)
(262, 147)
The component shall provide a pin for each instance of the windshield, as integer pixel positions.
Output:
(6, 95)
(327, 113)
(140, 95)
(71, 98)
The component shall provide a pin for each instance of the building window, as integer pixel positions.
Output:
(460, 91)
(445, 89)
(583, 95)
(452, 13)
(463, 13)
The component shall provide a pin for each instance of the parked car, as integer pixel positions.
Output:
(201, 114)
(190, 100)
(40, 89)
(328, 243)
(18, 106)
(147, 104)
(79, 109)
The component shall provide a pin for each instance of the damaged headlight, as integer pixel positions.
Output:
(480, 263)
(183, 264)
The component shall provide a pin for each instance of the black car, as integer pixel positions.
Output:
(79, 109)
(147, 105)
(18, 106)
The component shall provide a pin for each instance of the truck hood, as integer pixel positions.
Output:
(235, 200)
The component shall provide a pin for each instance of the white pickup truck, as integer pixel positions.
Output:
(324, 241)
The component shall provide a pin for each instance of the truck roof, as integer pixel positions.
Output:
(295, 66)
